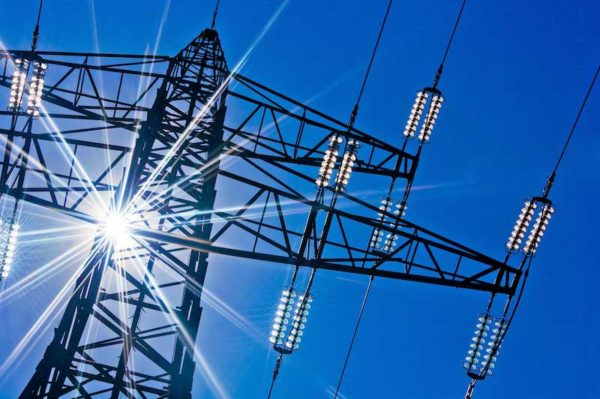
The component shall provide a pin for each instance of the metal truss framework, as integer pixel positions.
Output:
(206, 161)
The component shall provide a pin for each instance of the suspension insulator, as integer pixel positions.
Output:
(299, 322)
(478, 342)
(329, 160)
(282, 316)
(493, 350)
(348, 161)
(477, 364)
(290, 320)
(544, 209)
(521, 226)
(17, 88)
(36, 88)
(415, 114)
(537, 232)
(391, 240)
(9, 233)
(432, 115)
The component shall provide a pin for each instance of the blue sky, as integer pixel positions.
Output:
(513, 83)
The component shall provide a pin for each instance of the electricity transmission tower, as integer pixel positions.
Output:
(153, 150)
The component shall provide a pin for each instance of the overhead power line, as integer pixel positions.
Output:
(438, 74)
(403, 204)
(570, 135)
(344, 174)
(368, 71)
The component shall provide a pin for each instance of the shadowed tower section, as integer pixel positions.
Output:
(130, 325)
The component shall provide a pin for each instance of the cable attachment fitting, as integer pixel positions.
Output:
(353, 116)
(438, 75)
(549, 184)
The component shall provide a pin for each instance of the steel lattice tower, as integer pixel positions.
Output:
(131, 322)
(192, 85)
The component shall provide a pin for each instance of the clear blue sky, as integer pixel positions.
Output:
(513, 82)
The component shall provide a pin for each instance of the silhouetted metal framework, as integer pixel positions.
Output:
(181, 142)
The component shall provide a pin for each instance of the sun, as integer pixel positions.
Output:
(117, 231)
